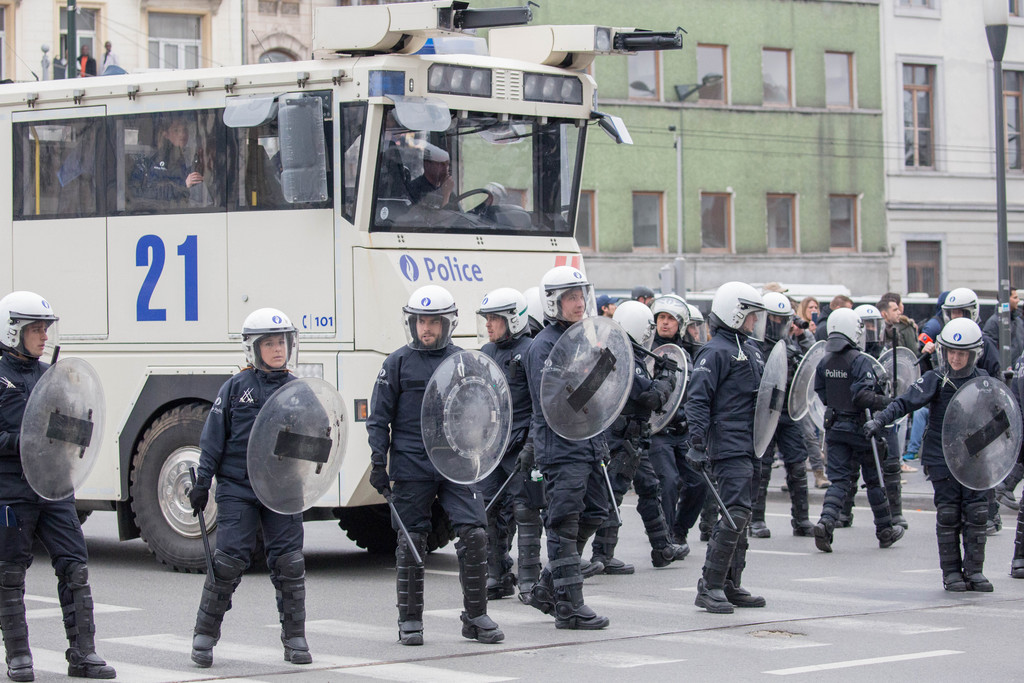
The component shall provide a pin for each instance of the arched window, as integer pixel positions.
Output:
(276, 56)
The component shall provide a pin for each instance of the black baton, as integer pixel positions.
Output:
(401, 526)
(878, 463)
(611, 492)
(202, 530)
(515, 471)
(718, 498)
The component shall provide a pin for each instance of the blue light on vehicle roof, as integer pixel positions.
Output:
(387, 83)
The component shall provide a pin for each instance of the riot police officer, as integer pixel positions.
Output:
(502, 327)
(720, 411)
(270, 342)
(629, 441)
(25, 320)
(846, 383)
(790, 437)
(576, 491)
(393, 428)
(959, 511)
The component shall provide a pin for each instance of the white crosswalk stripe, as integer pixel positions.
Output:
(52, 661)
(48, 612)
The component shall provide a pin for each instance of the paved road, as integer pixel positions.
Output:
(857, 613)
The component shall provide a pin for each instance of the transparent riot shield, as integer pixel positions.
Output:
(466, 417)
(771, 398)
(981, 433)
(661, 418)
(906, 371)
(586, 378)
(297, 444)
(802, 399)
(62, 428)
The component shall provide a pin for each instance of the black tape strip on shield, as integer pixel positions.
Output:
(590, 386)
(69, 429)
(978, 440)
(301, 447)
(778, 400)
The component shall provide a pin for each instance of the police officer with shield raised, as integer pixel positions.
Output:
(960, 512)
(270, 342)
(720, 411)
(25, 320)
(503, 325)
(394, 428)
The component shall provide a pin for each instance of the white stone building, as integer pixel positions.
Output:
(939, 110)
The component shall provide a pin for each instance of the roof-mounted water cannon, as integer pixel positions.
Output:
(403, 28)
(574, 47)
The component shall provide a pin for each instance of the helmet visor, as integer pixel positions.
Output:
(873, 331)
(958, 363)
(754, 323)
(427, 332)
(38, 338)
(575, 303)
(276, 351)
(777, 326)
(490, 325)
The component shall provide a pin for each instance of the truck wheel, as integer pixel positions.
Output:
(159, 481)
(370, 527)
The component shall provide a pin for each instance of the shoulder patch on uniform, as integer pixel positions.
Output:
(7, 383)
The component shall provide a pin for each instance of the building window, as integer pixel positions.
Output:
(647, 216)
(585, 224)
(715, 222)
(267, 7)
(711, 70)
(1015, 8)
(918, 122)
(781, 222)
(1016, 260)
(290, 8)
(839, 79)
(276, 55)
(842, 211)
(3, 42)
(175, 41)
(85, 33)
(1013, 89)
(644, 79)
(777, 76)
(924, 273)
(924, 4)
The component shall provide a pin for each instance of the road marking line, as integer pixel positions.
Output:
(920, 571)
(168, 642)
(426, 674)
(778, 552)
(901, 628)
(349, 629)
(47, 612)
(819, 579)
(441, 572)
(509, 616)
(726, 639)
(862, 662)
(53, 661)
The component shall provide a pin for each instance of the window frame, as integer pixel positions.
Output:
(855, 224)
(1019, 145)
(660, 196)
(588, 197)
(1016, 264)
(182, 43)
(657, 97)
(790, 88)
(724, 49)
(939, 264)
(793, 231)
(930, 88)
(851, 86)
(728, 227)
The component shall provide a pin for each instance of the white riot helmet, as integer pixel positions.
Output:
(780, 315)
(638, 322)
(874, 326)
(696, 328)
(962, 299)
(535, 308)
(844, 322)
(431, 300)
(262, 324)
(507, 303)
(19, 309)
(960, 334)
(556, 283)
(731, 306)
(674, 305)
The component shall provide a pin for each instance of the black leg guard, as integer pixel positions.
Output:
(757, 527)
(894, 492)
(708, 518)
(501, 583)
(605, 540)
(711, 587)
(530, 529)
(947, 532)
(13, 623)
(734, 592)
(570, 610)
(594, 565)
(796, 482)
(410, 590)
(663, 551)
(974, 548)
(994, 523)
(886, 531)
(289, 578)
(1017, 565)
(83, 662)
(471, 549)
(845, 516)
(1004, 490)
(216, 600)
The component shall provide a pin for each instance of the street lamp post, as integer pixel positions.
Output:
(997, 21)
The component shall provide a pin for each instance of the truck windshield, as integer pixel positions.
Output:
(484, 174)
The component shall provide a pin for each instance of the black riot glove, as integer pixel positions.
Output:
(663, 388)
(199, 496)
(697, 458)
(872, 428)
(379, 479)
(527, 457)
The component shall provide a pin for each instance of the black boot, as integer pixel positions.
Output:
(663, 551)
(947, 532)
(734, 592)
(796, 482)
(410, 589)
(1017, 564)
(974, 548)
(216, 600)
(570, 610)
(13, 623)
(886, 532)
(1004, 490)
(542, 596)
(530, 528)
(289, 578)
(757, 527)
(711, 586)
(823, 536)
(83, 662)
(471, 549)
(605, 540)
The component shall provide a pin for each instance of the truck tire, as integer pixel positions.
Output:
(159, 482)
(369, 527)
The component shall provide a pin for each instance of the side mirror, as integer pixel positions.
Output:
(303, 149)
